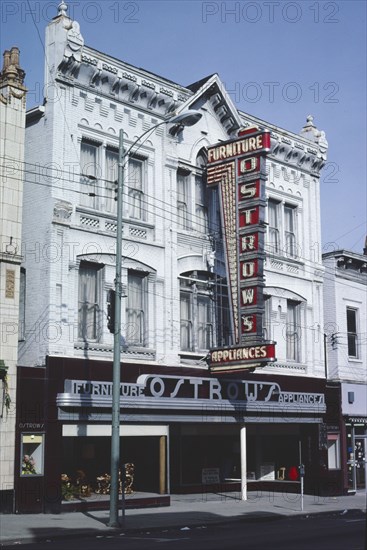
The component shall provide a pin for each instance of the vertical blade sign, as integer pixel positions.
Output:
(238, 167)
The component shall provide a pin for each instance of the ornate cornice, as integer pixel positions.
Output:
(89, 71)
(299, 155)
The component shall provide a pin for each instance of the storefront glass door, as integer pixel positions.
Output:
(360, 462)
(357, 464)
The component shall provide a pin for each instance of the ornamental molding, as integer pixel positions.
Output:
(110, 80)
(62, 211)
(296, 154)
(17, 93)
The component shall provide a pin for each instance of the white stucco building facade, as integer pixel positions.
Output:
(171, 223)
(175, 304)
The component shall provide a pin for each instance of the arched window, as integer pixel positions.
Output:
(89, 301)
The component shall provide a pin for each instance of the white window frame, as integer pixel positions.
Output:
(136, 317)
(111, 179)
(273, 226)
(183, 200)
(223, 334)
(351, 335)
(200, 333)
(267, 328)
(290, 231)
(186, 341)
(136, 192)
(293, 348)
(89, 332)
(282, 234)
(204, 325)
(201, 205)
(89, 174)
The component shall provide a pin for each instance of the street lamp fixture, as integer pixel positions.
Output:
(188, 118)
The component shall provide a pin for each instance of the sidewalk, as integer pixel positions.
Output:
(185, 511)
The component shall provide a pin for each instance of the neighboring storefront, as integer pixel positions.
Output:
(354, 408)
(183, 429)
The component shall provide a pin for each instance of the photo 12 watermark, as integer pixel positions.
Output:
(287, 92)
(270, 12)
(118, 12)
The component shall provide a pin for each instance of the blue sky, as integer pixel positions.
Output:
(279, 60)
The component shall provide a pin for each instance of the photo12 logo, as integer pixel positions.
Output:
(87, 12)
(270, 12)
(289, 92)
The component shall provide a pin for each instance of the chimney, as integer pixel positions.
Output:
(6, 59)
(14, 56)
(12, 74)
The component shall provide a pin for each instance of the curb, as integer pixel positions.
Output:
(97, 533)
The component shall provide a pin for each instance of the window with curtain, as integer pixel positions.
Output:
(292, 331)
(267, 318)
(89, 173)
(289, 231)
(111, 176)
(196, 312)
(183, 208)
(136, 309)
(186, 321)
(201, 206)
(282, 229)
(136, 189)
(352, 333)
(215, 225)
(204, 323)
(88, 301)
(222, 313)
(273, 229)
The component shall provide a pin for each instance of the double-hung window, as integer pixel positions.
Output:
(293, 331)
(88, 301)
(186, 321)
(222, 313)
(267, 318)
(89, 173)
(352, 333)
(183, 198)
(111, 177)
(136, 309)
(289, 231)
(282, 230)
(273, 230)
(136, 174)
(204, 322)
(196, 312)
(201, 209)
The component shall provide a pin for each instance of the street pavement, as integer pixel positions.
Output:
(185, 511)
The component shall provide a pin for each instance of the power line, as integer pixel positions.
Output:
(197, 220)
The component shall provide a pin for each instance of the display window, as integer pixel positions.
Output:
(31, 454)
(333, 446)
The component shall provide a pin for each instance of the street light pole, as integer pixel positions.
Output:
(116, 374)
(184, 119)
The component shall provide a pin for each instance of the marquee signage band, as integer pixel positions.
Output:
(160, 391)
(238, 167)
